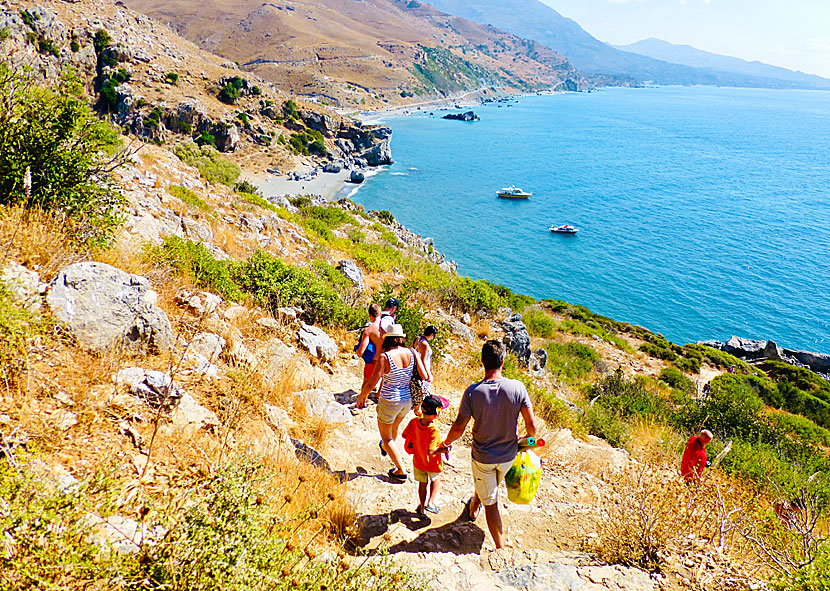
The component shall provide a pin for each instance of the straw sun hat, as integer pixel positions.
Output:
(396, 330)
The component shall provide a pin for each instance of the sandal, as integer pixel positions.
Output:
(433, 509)
(421, 513)
(397, 477)
(469, 515)
(382, 451)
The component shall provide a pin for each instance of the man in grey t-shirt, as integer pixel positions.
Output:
(494, 404)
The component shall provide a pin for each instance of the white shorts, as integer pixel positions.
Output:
(487, 478)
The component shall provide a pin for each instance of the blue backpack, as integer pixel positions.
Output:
(369, 354)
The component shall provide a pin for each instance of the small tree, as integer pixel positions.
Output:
(70, 151)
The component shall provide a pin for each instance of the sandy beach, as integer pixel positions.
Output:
(329, 186)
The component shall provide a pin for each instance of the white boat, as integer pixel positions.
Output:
(513, 193)
(564, 229)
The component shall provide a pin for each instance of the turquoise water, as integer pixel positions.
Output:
(703, 212)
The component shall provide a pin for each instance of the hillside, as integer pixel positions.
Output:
(535, 20)
(364, 53)
(178, 380)
(687, 55)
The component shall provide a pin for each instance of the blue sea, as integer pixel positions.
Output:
(703, 212)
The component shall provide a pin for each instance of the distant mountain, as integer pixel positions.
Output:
(348, 52)
(532, 19)
(687, 55)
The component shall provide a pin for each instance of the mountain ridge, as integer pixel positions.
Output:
(688, 55)
(535, 20)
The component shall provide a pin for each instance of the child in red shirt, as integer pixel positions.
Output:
(421, 439)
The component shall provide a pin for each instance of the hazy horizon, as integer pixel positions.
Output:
(794, 36)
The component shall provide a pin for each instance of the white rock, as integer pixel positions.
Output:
(317, 342)
(190, 414)
(23, 285)
(208, 345)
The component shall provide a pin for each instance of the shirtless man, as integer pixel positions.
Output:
(372, 340)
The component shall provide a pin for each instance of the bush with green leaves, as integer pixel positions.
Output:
(801, 427)
(232, 90)
(276, 284)
(290, 110)
(17, 327)
(212, 166)
(571, 361)
(69, 151)
(308, 142)
(195, 261)
(385, 216)
(540, 324)
(674, 378)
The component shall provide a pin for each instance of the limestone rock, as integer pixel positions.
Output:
(102, 306)
(268, 323)
(466, 319)
(208, 344)
(751, 349)
(276, 358)
(357, 177)
(23, 285)
(517, 338)
(321, 403)
(538, 359)
(457, 327)
(317, 342)
(189, 414)
(156, 388)
(121, 534)
(352, 272)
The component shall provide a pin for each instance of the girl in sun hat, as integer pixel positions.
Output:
(395, 366)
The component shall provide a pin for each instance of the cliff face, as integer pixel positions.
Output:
(155, 85)
(371, 52)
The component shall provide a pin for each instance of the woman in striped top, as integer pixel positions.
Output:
(395, 366)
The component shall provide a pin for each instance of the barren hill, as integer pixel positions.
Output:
(350, 53)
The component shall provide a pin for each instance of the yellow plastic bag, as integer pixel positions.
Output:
(523, 478)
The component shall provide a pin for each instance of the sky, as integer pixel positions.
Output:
(794, 34)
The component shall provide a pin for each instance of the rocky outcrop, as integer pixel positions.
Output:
(23, 285)
(468, 116)
(756, 351)
(321, 403)
(352, 272)
(155, 388)
(103, 306)
(517, 338)
(317, 342)
(357, 177)
(370, 144)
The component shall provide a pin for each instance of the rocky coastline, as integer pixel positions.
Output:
(758, 351)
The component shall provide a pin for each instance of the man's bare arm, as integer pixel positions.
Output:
(530, 421)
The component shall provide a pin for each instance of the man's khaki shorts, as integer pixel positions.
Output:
(487, 478)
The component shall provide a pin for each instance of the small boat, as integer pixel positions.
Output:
(513, 193)
(565, 229)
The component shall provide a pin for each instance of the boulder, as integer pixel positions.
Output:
(156, 388)
(749, 349)
(104, 306)
(818, 362)
(517, 338)
(321, 403)
(538, 359)
(352, 273)
(466, 319)
(333, 167)
(199, 303)
(227, 137)
(191, 415)
(357, 177)
(208, 344)
(317, 342)
(23, 285)
(467, 116)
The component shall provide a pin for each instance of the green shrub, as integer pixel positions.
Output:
(732, 409)
(604, 423)
(232, 90)
(74, 46)
(540, 324)
(333, 217)
(800, 426)
(592, 328)
(627, 397)
(716, 357)
(674, 378)
(571, 361)
(814, 576)
(290, 111)
(276, 284)
(376, 257)
(205, 139)
(688, 364)
(101, 40)
(247, 187)
(172, 78)
(308, 142)
(658, 352)
(36, 126)
(195, 261)
(385, 216)
(45, 45)
(46, 534)
(256, 91)
(188, 196)
(212, 166)
(259, 201)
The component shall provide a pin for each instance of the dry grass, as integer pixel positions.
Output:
(36, 239)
